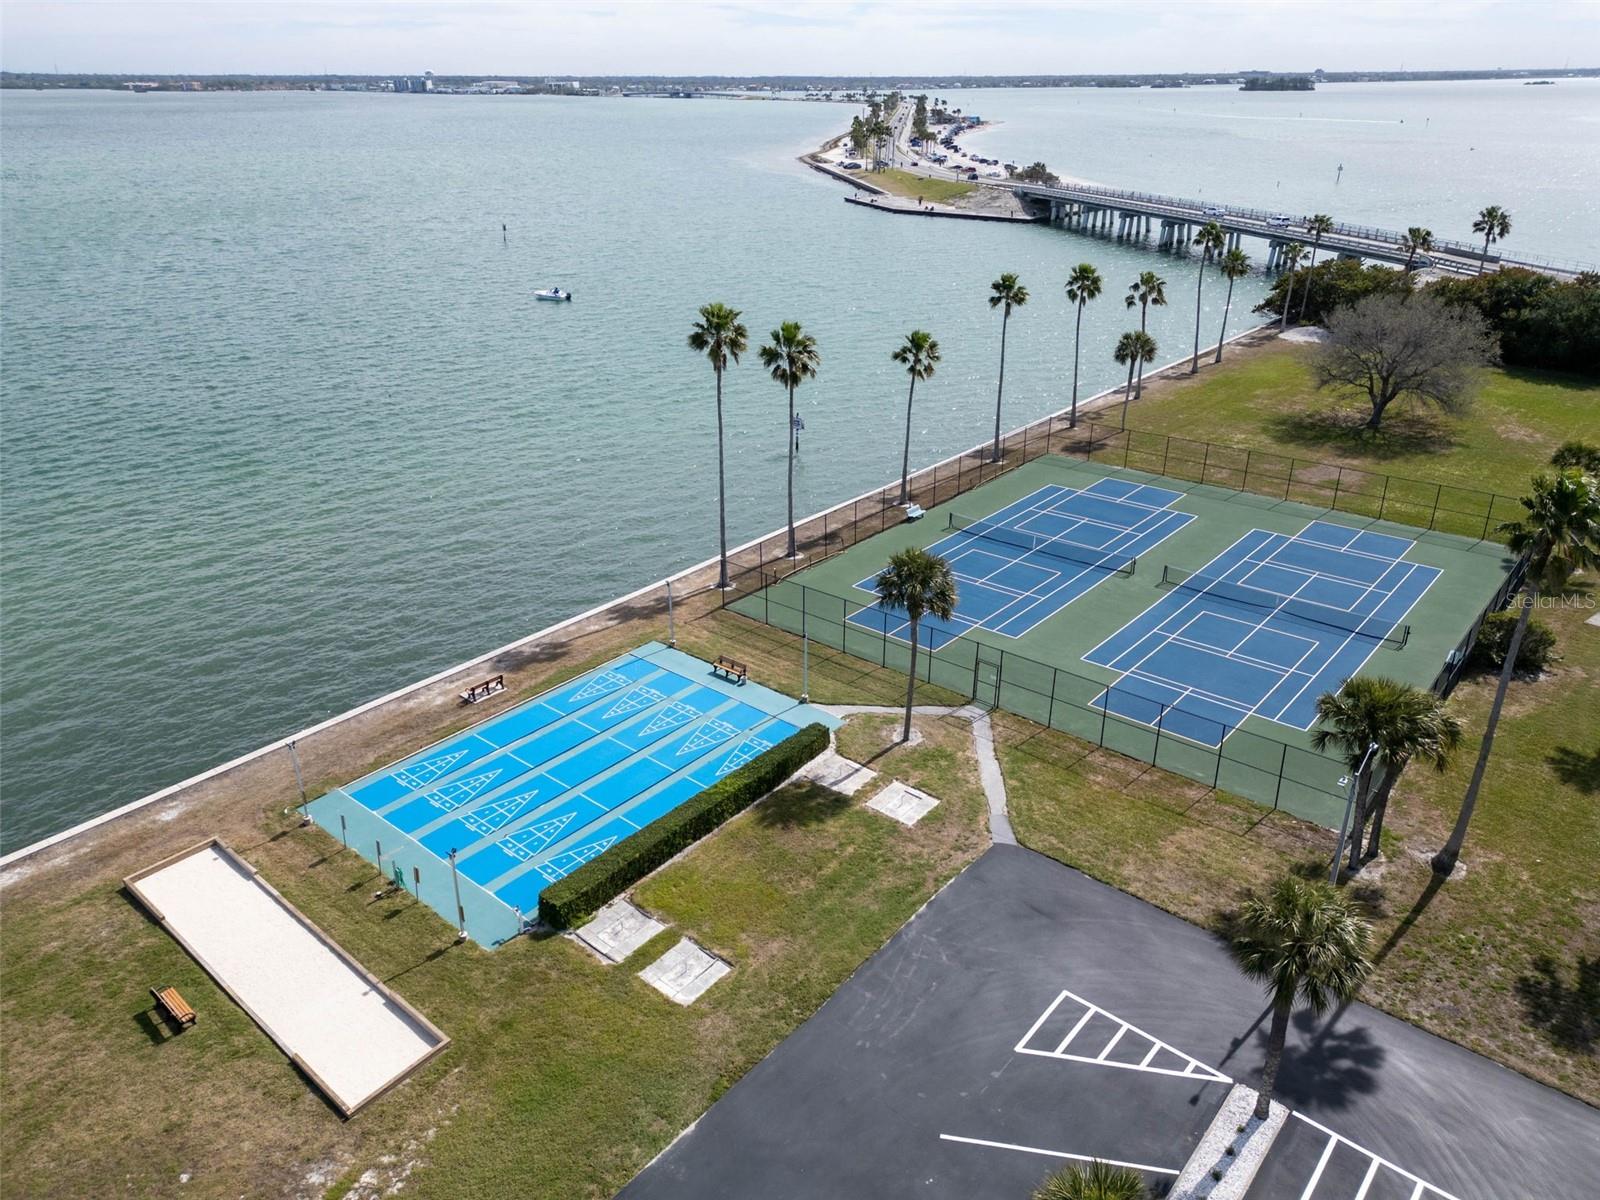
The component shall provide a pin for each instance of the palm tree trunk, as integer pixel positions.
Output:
(1375, 842)
(905, 457)
(1000, 389)
(911, 682)
(1223, 335)
(1194, 365)
(1269, 1069)
(794, 550)
(1144, 311)
(1283, 322)
(722, 491)
(1305, 298)
(1077, 340)
(1485, 258)
(1359, 820)
(1445, 861)
(1128, 391)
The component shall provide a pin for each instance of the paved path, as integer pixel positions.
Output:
(994, 784)
(1029, 1013)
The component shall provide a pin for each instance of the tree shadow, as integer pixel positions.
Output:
(1418, 907)
(1404, 432)
(1331, 1066)
(1567, 1014)
(801, 806)
(1577, 769)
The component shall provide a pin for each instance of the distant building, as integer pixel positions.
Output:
(414, 83)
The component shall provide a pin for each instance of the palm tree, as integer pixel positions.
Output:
(1211, 240)
(791, 358)
(1317, 226)
(1559, 536)
(1097, 1181)
(1494, 223)
(1290, 257)
(1144, 291)
(916, 583)
(1006, 294)
(919, 353)
(721, 338)
(1235, 265)
(1416, 241)
(1083, 285)
(1402, 723)
(1136, 347)
(1306, 943)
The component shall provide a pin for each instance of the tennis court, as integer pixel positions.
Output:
(531, 794)
(1178, 623)
(1263, 629)
(1023, 564)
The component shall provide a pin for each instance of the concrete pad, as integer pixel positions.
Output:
(335, 1020)
(684, 973)
(833, 770)
(1238, 1169)
(618, 930)
(1594, 620)
(903, 802)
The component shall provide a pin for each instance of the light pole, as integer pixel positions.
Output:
(1354, 782)
(461, 913)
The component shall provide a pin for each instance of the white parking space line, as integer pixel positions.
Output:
(1193, 1068)
(1422, 1189)
(971, 1141)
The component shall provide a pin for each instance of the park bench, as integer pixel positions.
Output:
(915, 512)
(734, 670)
(482, 691)
(174, 1005)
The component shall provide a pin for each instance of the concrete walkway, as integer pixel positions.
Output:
(994, 784)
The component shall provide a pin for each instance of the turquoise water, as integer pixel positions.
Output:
(283, 430)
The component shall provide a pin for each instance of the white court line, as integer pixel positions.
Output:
(1421, 1183)
(971, 1141)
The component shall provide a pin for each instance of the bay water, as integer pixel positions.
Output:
(282, 428)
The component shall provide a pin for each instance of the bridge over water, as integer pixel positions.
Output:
(1173, 222)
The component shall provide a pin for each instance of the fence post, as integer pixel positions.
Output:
(1105, 707)
(1383, 498)
(1050, 715)
(1155, 752)
(1127, 445)
(1205, 460)
(1166, 451)
(1246, 486)
(1438, 491)
(1289, 482)
(1338, 482)
(1283, 760)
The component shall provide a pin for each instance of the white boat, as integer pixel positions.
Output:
(552, 294)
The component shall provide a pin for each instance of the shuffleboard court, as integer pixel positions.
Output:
(349, 1033)
(500, 811)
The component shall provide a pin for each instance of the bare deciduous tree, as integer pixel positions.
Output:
(1415, 348)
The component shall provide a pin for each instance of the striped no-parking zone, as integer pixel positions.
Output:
(1075, 1030)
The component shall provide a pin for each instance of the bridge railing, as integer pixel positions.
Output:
(1388, 237)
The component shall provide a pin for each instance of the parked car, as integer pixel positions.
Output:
(1215, 210)
(852, 166)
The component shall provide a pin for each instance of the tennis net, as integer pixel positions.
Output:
(1116, 564)
(1366, 625)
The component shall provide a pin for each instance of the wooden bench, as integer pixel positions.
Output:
(734, 670)
(174, 1005)
(482, 691)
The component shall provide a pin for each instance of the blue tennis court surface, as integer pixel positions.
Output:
(533, 793)
(1025, 563)
(1264, 628)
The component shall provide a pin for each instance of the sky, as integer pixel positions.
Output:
(792, 37)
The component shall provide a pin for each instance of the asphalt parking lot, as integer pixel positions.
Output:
(1029, 1016)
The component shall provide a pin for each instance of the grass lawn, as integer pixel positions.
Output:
(564, 1076)
(934, 191)
(1264, 398)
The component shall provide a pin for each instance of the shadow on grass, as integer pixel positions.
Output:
(801, 806)
(1343, 430)
(1577, 769)
(1567, 1014)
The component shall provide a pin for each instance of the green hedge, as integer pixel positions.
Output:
(568, 901)
(1537, 651)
